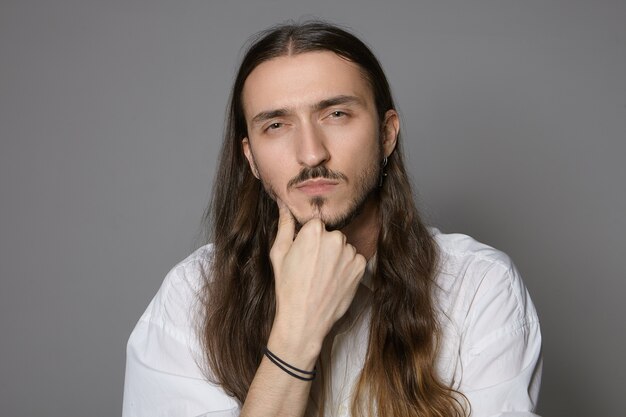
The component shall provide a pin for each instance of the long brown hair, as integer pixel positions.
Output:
(398, 378)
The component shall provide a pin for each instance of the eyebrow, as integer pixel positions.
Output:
(337, 100)
(329, 102)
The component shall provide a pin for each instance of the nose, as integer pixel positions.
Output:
(311, 147)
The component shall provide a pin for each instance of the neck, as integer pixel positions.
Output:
(362, 232)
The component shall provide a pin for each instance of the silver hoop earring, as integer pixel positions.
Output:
(383, 173)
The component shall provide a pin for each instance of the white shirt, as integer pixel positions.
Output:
(490, 348)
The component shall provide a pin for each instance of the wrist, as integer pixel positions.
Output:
(300, 350)
(289, 369)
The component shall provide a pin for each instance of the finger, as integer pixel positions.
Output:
(286, 227)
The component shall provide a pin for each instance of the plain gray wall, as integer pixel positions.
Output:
(514, 121)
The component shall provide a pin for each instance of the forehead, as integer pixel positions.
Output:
(302, 80)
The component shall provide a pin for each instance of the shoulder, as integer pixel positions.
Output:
(459, 252)
(463, 261)
(490, 329)
(175, 302)
(478, 285)
(164, 358)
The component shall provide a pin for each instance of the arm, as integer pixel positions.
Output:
(316, 275)
(162, 373)
(502, 349)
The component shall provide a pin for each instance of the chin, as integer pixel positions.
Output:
(332, 221)
(334, 216)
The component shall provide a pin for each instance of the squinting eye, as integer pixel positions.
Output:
(274, 126)
(337, 113)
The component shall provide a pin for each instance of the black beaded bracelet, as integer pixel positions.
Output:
(284, 365)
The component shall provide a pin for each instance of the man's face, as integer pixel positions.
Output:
(314, 138)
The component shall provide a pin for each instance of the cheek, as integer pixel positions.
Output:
(361, 155)
(273, 172)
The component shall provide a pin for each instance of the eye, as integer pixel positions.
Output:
(274, 126)
(337, 114)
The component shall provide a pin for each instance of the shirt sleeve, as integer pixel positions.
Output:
(501, 346)
(163, 376)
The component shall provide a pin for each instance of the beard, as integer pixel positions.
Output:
(366, 187)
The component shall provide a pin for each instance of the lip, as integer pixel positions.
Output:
(317, 186)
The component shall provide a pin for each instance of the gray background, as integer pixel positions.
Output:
(514, 121)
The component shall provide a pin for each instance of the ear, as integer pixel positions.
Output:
(245, 143)
(390, 131)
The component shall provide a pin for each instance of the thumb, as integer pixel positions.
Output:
(286, 229)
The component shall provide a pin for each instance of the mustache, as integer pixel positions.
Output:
(320, 171)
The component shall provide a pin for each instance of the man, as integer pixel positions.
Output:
(322, 292)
